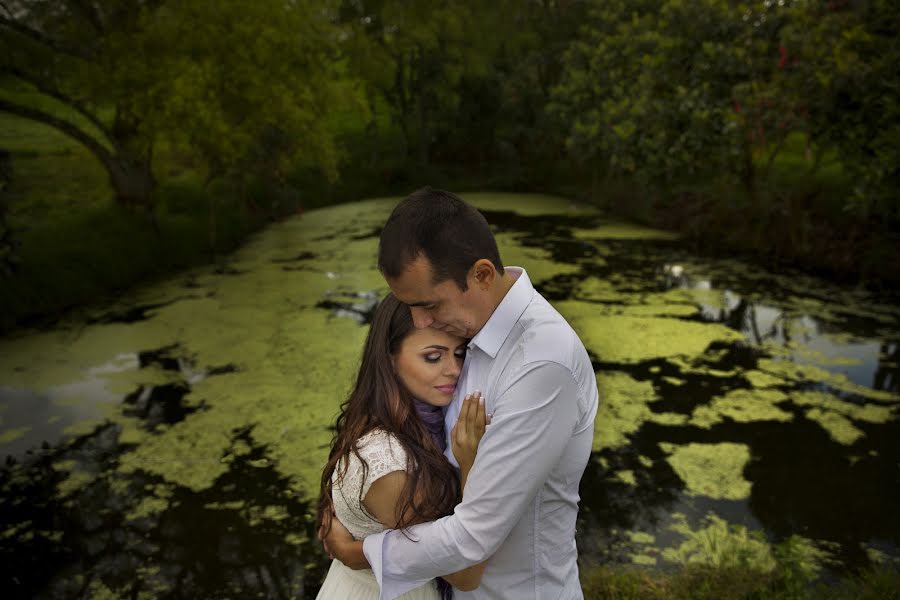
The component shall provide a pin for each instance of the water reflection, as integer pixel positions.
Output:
(804, 393)
(804, 480)
(244, 537)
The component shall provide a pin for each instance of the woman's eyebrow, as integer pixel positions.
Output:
(436, 347)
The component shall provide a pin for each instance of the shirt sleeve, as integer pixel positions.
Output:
(532, 424)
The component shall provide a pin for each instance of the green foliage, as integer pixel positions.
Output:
(842, 70)
(713, 89)
(703, 582)
(648, 89)
(242, 85)
(247, 84)
(414, 55)
(73, 246)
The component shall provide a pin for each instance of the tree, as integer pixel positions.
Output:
(414, 54)
(647, 89)
(501, 113)
(76, 55)
(225, 77)
(843, 70)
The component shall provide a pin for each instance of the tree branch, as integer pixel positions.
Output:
(42, 38)
(34, 114)
(46, 89)
(90, 12)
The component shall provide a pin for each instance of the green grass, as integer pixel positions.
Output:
(77, 246)
(698, 582)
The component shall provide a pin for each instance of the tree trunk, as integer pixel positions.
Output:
(372, 127)
(131, 178)
(747, 172)
(132, 182)
(423, 134)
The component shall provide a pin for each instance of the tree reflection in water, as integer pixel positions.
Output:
(246, 536)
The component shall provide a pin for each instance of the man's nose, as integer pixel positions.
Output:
(421, 317)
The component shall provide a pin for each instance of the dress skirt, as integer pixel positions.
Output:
(343, 583)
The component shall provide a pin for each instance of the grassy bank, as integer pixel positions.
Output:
(75, 246)
(695, 582)
(725, 562)
(798, 215)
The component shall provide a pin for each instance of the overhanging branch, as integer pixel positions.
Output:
(85, 139)
(45, 88)
(41, 38)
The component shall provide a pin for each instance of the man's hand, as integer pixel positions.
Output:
(339, 543)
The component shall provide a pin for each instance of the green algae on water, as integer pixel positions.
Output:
(712, 470)
(11, 435)
(624, 408)
(742, 406)
(626, 477)
(837, 416)
(529, 205)
(618, 230)
(629, 339)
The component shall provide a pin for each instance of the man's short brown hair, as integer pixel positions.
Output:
(438, 225)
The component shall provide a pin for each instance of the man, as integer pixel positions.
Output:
(520, 503)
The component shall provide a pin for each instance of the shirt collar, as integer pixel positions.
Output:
(491, 337)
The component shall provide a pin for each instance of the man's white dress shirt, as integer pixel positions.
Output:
(521, 498)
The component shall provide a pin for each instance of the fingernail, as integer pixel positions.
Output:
(481, 401)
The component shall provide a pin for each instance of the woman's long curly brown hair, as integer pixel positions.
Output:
(380, 400)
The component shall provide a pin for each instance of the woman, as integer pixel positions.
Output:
(386, 469)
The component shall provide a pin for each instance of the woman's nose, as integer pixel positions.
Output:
(452, 368)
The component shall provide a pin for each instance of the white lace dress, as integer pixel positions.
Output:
(383, 454)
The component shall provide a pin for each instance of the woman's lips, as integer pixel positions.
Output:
(446, 389)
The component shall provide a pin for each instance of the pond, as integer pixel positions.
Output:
(169, 444)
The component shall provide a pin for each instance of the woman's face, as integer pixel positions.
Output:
(428, 364)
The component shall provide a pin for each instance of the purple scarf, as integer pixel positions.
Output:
(433, 420)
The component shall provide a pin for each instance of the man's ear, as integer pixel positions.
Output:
(484, 273)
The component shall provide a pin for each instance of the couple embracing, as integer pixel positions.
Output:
(456, 460)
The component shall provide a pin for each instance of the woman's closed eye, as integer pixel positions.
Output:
(433, 357)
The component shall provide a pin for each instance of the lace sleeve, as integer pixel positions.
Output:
(383, 454)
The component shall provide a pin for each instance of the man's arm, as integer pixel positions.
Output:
(340, 544)
(383, 498)
(532, 424)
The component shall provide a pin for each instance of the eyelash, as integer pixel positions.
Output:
(435, 357)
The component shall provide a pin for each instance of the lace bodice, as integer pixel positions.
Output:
(383, 454)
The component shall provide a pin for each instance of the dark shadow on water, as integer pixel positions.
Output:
(210, 544)
(359, 306)
(159, 404)
(303, 256)
(803, 483)
(165, 404)
(131, 314)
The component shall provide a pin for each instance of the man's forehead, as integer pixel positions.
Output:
(412, 293)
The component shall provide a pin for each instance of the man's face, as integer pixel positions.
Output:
(443, 306)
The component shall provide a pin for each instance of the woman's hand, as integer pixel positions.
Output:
(467, 432)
